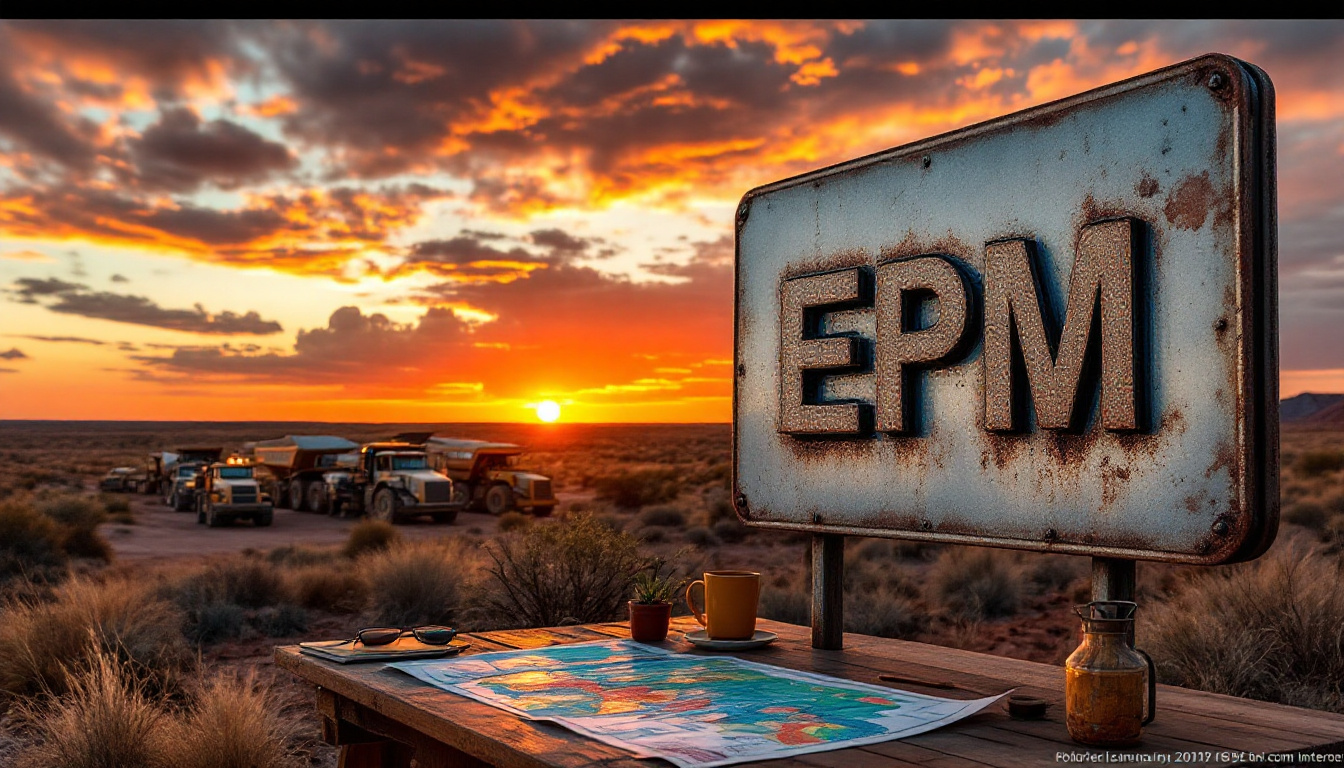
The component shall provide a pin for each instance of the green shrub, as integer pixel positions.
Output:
(1271, 629)
(104, 718)
(369, 535)
(636, 489)
(1316, 463)
(573, 572)
(975, 582)
(512, 521)
(663, 517)
(30, 544)
(43, 645)
(232, 723)
(417, 582)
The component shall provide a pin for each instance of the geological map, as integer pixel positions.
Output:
(694, 711)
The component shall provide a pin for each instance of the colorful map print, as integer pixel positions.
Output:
(694, 711)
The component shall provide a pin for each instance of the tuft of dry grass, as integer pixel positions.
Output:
(337, 588)
(370, 535)
(512, 521)
(575, 571)
(1271, 629)
(44, 646)
(232, 723)
(418, 582)
(30, 544)
(975, 582)
(1319, 462)
(640, 487)
(105, 718)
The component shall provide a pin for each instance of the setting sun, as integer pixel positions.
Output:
(548, 410)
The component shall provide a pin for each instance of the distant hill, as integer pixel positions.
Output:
(1321, 408)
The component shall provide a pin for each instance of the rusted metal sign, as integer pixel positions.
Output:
(1054, 331)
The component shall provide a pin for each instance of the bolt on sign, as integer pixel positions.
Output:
(1056, 330)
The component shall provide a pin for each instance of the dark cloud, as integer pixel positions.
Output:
(180, 153)
(120, 279)
(76, 299)
(8, 370)
(354, 348)
(476, 256)
(13, 354)
(65, 339)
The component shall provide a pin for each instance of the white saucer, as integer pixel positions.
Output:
(760, 639)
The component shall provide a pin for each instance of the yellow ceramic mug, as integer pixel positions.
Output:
(730, 604)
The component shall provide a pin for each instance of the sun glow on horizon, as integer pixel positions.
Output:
(548, 411)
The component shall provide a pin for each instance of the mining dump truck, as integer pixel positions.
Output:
(180, 487)
(296, 464)
(486, 476)
(392, 481)
(160, 470)
(228, 491)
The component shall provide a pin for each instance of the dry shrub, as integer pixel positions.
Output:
(106, 718)
(975, 582)
(789, 603)
(1052, 573)
(884, 614)
(512, 521)
(369, 535)
(701, 536)
(417, 582)
(30, 544)
(292, 555)
(638, 488)
(731, 530)
(232, 723)
(244, 581)
(78, 518)
(663, 516)
(44, 645)
(336, 588)
(1272, 629)
(1306, 513)
(576, 571)
(1316, 463)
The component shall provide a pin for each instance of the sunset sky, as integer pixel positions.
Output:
(456, 221)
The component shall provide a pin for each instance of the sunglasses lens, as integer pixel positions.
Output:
(378, 635)
(435, 635)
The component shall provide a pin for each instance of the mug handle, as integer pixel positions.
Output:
(700, 617)
(1152, 687)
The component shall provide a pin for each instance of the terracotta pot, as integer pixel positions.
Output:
(649, 621)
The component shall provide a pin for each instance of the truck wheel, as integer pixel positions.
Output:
(172, 502)
(296, 500)
(386, 505)
(213, 519)
(499, 499)
(317, 497)
(263, 519)
(542, 511)
(280, 494)
(336, 509)
(200, 513)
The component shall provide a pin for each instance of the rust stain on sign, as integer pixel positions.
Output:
(1022, 334)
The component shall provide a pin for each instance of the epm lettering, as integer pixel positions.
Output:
(1026, 356)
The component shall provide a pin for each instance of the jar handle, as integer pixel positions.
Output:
(1152, 687)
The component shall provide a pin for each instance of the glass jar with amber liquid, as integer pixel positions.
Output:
(1105, 678)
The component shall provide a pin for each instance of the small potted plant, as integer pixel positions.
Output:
(651, 610)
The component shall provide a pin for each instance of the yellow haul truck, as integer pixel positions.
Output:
(486, 476)
(296, 465)
(229, 491)
(391, 481)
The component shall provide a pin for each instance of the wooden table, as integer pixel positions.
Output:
(382, 718)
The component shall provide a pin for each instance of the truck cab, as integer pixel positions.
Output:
(181, 486)
(228, 491)
(488, 476)
(392, 481)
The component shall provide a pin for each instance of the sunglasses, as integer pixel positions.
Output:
(385, 635)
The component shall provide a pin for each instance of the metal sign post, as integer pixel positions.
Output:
(1055, 331)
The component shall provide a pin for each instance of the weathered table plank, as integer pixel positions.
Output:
(362, 702)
